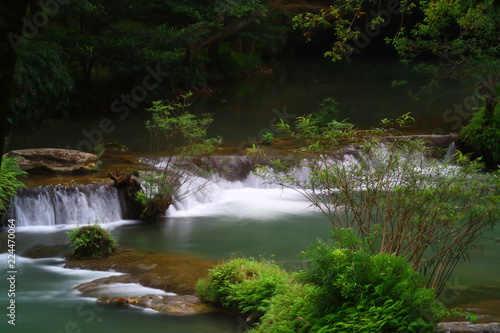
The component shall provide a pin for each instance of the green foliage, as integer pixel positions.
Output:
(483, 133)
(342, 290)
(92, 241)
(9, 184)
(362, 292)
(394, 198)
(327, 112)
(243, 285)
(447, 40)
(116, 40)
(42, 85)
(267, 138)
(233, 64)
(178, 137)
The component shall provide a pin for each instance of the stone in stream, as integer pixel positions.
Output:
(466, 327)
(169, 273)
(55, 160)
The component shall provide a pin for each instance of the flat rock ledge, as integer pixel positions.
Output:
(170, 273)
(467, 327)
(54, 160)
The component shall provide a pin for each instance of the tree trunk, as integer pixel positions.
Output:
(11, 14)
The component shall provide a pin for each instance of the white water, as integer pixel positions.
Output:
(62, 205)
(68, 206)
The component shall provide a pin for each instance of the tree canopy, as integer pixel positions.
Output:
(447, 39)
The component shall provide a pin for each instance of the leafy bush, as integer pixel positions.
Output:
(327, 112)
(243, 285)
(9, 182)
(177, 137)
(394, 195)
(483, 134)
(92, 241)
(267, 138)
(288, 309)
(362, 292)
(343, 290)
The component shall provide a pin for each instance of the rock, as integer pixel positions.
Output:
(167, 272)
(40, 251)
(55, 160)
(170, 273)
(186, 304)
(467, 327)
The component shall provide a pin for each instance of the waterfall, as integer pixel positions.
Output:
(57, 205)
(452, 149)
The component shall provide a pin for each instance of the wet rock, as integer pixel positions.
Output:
(55, 160)
(440, 141)
(169, 273)
(467, 327)
(186, 304)
(51, 251)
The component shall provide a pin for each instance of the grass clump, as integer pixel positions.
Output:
(92, 241)
(243, 285)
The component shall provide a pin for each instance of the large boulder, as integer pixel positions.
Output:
(55, 160)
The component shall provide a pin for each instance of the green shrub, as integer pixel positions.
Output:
(340, 291)
(267, 138)
(362, 292)
(327, 112)
(92, 241)
(242, 285)
(483, 134)
(9, 184)
(288, 309)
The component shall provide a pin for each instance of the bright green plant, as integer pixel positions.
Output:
(342, 290)
(267, 138)
(178, 139)
(92, 241)
(243, 284)
(362, 292)
(9, 184)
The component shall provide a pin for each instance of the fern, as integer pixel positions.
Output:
(9, 184)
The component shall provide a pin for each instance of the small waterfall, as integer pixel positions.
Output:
(452, 149)
(56, 205)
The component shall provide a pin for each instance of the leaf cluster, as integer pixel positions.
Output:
(178, 138)
(482, 133)
(341, 290)
(92, 241)
(9, 184)
(392, 194)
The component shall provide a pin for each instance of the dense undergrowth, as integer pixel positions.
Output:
(341, 290)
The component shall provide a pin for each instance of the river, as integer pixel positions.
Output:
(244, 217)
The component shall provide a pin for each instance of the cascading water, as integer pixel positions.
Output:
(59, 205)
(452, 149)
